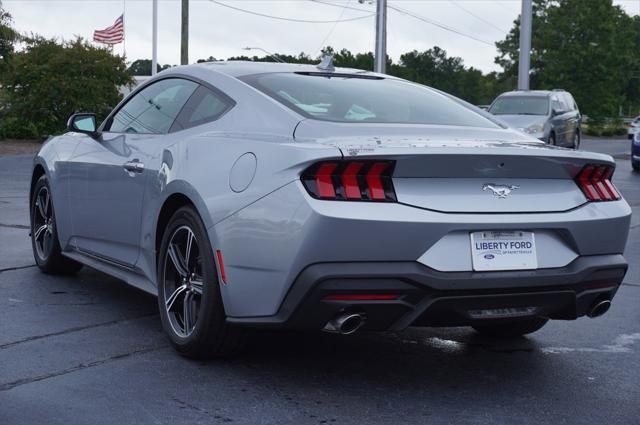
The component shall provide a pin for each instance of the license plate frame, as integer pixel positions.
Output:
(503, 250)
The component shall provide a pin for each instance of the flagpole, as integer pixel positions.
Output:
(154, 37)
(124, 32)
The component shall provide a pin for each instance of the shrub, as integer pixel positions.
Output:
(14, 128)
(48, 81)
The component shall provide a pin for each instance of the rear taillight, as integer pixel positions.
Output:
(351, 181)
(595, 183)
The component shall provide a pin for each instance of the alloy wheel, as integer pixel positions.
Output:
(43, 223)
(183, 281)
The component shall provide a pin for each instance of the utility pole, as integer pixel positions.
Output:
(184, 41)
(525, 45)
(154, 39)
(380, 56)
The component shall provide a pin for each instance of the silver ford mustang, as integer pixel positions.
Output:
(251, 195)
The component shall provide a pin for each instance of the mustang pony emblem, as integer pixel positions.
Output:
(500, 190)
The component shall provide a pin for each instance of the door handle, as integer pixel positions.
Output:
(134, 166)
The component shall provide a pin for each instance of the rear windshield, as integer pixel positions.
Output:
(520, 105)
(341, 98)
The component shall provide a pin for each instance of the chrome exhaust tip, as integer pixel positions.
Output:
(599, 308)
(345, 323)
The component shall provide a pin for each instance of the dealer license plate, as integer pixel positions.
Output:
(510, 250)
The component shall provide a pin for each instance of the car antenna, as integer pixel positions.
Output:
(326, 64)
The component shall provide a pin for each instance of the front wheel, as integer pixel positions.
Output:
(635, 165)
(552, 139)
(576, 140)
(511, 328)
(189, 298)
(44, 234)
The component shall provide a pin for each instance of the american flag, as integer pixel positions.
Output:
(111, 35)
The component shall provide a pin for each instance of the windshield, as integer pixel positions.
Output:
(358, 99)
(511, 105)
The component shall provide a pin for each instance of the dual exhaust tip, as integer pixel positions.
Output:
(345, 323)
(348, 323)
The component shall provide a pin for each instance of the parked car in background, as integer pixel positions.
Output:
(633, 127)
(635, 152)
(551, 116)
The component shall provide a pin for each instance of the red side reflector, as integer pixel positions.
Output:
(223, 275)
(324, 180)
(361, 297)
(350, 180)
(374, 180)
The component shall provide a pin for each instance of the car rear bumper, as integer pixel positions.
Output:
(427, 297)
(268, 245)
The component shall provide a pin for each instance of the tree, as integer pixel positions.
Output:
(434, 68)
(48, 81)
(301, 58)
(588, 47)
(143, 67)
(8, 37)
(209, 59)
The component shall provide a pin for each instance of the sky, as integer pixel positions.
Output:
(222, 32)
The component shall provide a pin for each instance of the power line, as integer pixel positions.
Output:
(280, 18)
(333, 28)
(439, 25)
(480, 18)
(326, 3)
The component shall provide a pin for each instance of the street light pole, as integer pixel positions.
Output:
(184, 41)
(154, 39)
(525, 45)
(380, 56)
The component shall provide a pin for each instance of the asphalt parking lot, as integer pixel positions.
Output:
(89, 350)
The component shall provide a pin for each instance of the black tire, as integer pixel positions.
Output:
(552, 138)
(576, 140)
(635, 165)
(44, 233)
(188, 287)
(511, 328)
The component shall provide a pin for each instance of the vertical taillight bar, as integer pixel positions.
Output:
(374, 181)
(324, 180)
(350, 180)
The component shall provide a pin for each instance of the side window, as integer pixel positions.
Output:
(556, 104)
(204, 106)
(154, 109)
(567, 102)
(572, 102)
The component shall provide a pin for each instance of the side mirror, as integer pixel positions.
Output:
(555, 112)
(83, 123)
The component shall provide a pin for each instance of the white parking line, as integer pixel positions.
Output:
(622, 344)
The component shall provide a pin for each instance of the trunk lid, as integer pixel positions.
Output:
(464, 170)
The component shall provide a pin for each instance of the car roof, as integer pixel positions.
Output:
(529, 93)
(242, 68)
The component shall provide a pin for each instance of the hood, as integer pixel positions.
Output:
(522, 121)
